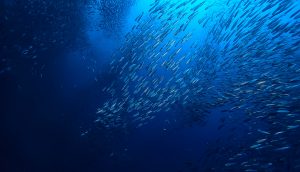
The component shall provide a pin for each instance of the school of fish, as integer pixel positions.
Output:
(243, 55)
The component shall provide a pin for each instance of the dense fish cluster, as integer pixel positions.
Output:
(112, 14)
(243, 55)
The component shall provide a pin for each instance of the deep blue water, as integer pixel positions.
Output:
(55, 60)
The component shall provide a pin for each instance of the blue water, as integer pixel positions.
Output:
(54, 63)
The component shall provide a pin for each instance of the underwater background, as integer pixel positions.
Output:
(150, 85)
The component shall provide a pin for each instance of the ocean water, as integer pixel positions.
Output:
(150, 85)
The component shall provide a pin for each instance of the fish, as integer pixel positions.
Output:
(263, 132)
(261, 140)
(282, 148)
